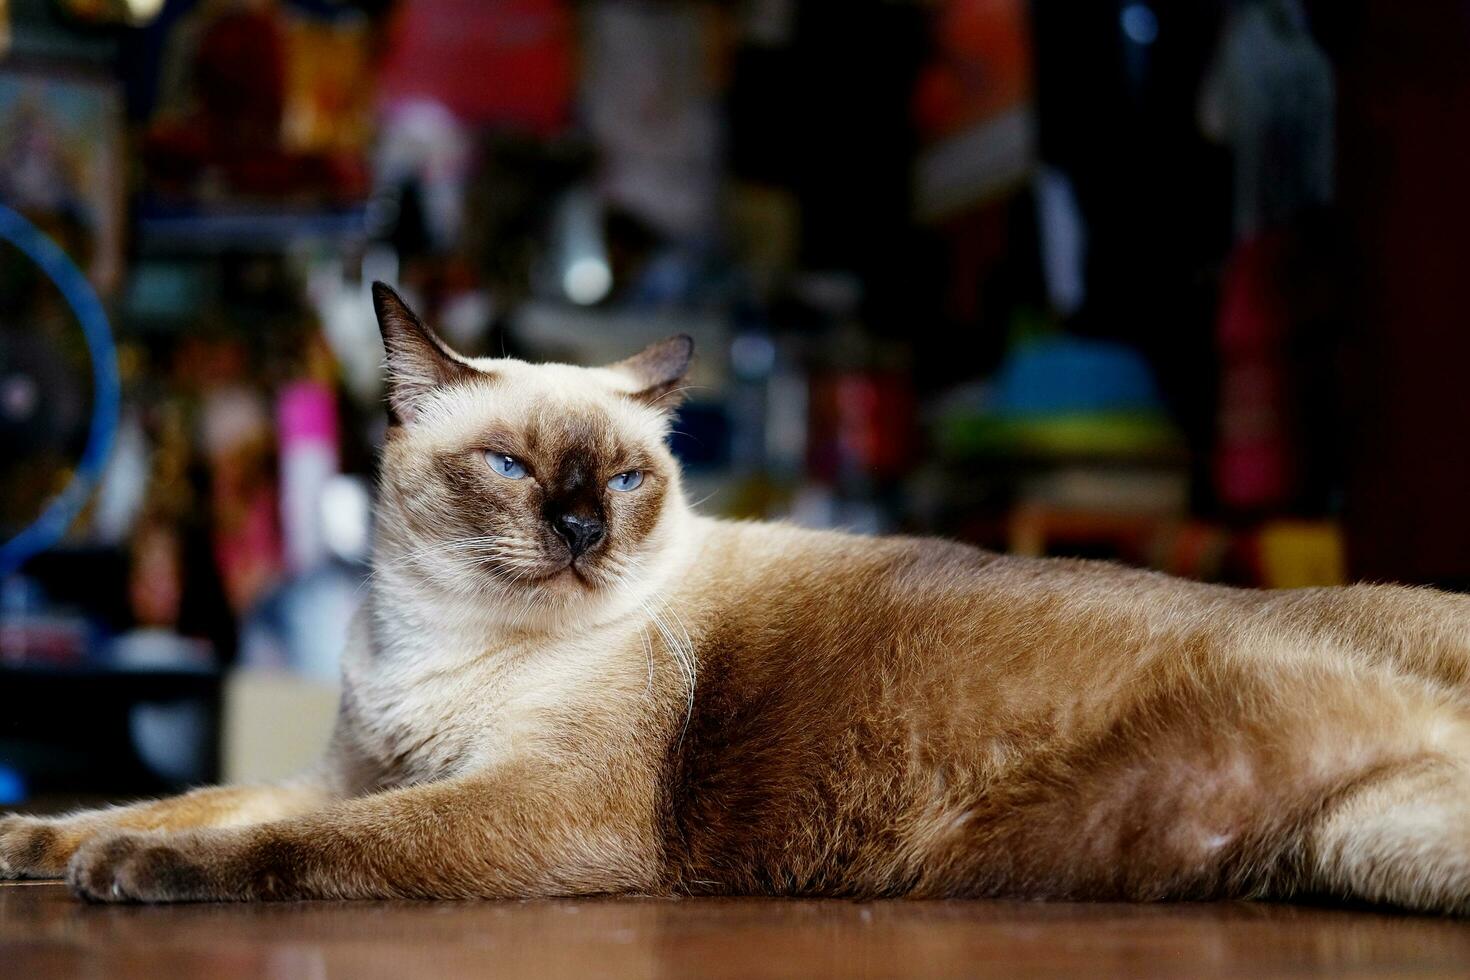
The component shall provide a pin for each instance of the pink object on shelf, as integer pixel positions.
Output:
(307, 411)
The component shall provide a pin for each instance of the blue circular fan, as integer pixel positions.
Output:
(57, 517)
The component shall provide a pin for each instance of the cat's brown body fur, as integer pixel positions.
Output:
(1044, 728)
(712, 707)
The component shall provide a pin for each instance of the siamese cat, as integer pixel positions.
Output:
(566, 682)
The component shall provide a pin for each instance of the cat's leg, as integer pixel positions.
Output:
(40, 847)
(1402, 838)
(1298, 774)
(514, 833)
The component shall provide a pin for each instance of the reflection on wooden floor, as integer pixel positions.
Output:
(45, 933)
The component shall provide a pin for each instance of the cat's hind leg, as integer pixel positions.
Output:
(1283, 776)
(40, 847)
(1401, 838)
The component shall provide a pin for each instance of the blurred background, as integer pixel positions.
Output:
(1177, 283)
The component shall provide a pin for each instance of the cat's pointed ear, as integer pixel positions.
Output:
(659, 371)
(418, 361)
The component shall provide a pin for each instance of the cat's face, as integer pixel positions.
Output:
(541, 490)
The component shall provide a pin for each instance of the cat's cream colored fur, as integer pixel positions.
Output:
(696, 706)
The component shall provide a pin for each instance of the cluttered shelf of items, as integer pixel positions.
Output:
(915, 302)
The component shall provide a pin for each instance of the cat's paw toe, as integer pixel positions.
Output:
(135, 867)
(92, 873)
(31, 847)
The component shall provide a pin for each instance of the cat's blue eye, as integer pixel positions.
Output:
(507, 466)
(626, 481)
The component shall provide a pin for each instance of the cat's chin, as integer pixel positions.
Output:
(569, 597)
(571, 576)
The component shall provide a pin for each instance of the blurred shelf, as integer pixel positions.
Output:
(123, 685)
(95, 730)
(165, 229)
(1167, 458)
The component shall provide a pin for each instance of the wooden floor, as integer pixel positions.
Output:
(45, 933)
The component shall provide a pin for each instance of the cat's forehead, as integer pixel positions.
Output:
(544, 407)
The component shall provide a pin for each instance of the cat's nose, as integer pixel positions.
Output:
(580, 533)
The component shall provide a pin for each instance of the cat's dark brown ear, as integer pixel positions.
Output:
(418, 361)
(659, 370)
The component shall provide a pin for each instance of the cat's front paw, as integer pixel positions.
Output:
(143, 867)
(33, 847)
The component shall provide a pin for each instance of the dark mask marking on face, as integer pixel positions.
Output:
(573, 503)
